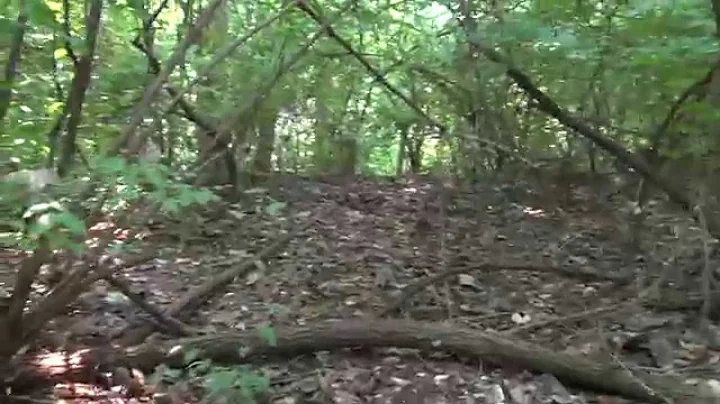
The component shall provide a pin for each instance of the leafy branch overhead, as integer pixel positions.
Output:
(256, 179)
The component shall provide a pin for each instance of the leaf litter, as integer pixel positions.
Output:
(368, 240)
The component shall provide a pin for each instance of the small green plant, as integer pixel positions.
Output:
(223, 384)
(235, 385)
(29, 215)
(126, 183)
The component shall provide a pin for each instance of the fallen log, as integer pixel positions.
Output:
(500, 350)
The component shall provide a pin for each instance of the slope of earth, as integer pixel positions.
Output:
(518, 261)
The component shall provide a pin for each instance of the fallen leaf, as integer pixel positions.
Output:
(520, 318)
(467, 280)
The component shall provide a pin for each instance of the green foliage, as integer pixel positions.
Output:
(223, 384)
(617, 62)
(126, 183)
(33, 214)
(235, 385)
(40, 14)
(275, 207)
(268, 335)
(30, 214)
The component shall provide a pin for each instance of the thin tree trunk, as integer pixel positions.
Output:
(13, 61)
(262, 163)
(402, 151)
(80, 84)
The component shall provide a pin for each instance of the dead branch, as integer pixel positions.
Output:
(673, 300)
(68, 290)
(178, 56)
(12, 324)
(176, 327)
(464, 342)
(499, 350)
(200, 294)
(327, 26)
(697, 90)
(417, 287)
(150, 20)
(584, 315)
(222, 55)
(637, 162)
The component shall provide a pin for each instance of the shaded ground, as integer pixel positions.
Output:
(364, 241)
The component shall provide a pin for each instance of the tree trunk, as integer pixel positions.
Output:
(415, 153)
(80, 84)
(13, 61)
(402, 151)
(346, 156)
(262, 162)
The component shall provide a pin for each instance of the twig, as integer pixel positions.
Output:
(223, 54)
(193, 35)
(572, 317)
(198, 295)
(585, 314)
(326, 25)
(707, 274)
(418, 286)
(175, 326)
(651, 391)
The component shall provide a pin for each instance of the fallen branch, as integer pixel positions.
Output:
(419, 286)
(200, 294)
(584, 315)
(495, 349)
(672, 300)
(173, 325)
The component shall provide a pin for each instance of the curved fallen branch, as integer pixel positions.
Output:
(464, 342)
(608, 378)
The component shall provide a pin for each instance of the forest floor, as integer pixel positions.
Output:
(362, 242)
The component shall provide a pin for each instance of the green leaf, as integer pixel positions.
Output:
(252, 383)
(168, 374)
(40, 14)
(112, 165)
(60, 53)
(7, 26)
(186, 197)
(219, 382)
(191, 355)
(275, 208)
(71, 222)
(138, 6)
(171, 206)
(244, 351)
(59, 240)
(204, 196)
(155, 177)
(40, 228)
(267, 333)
